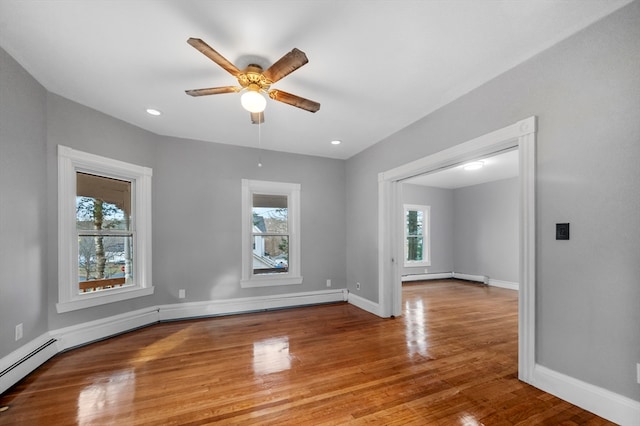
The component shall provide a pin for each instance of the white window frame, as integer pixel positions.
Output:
(71, 161)
(292, 191)
(426, 236)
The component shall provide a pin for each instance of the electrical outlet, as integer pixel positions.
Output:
(357, 286)
(18, 331)
(182, 293)
(328, 283)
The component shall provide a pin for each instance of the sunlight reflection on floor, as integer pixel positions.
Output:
(271, 355)
(158, 348)
(106, 394)
(468, 420)
(415, 333)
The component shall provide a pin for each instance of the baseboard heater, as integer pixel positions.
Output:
(446, 275)
(27, 357)
(479, 278)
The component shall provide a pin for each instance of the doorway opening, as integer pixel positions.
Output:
(462, 222)
(520, 135)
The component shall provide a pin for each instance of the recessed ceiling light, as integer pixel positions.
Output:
(474, 165)
(336, 142)
(152, 111)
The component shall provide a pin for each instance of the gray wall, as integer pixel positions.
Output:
(485, 230)
(441, 202)
(197, 223)
(585, 92)
(82, 128)
(23, 206)
(196, 209)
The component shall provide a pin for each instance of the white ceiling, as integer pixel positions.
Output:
(495, 167)
(376, 66)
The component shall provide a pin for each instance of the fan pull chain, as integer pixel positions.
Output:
(259, 143)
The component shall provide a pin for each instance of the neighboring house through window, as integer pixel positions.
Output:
(417, 235)
(270, 233)
(104, 230)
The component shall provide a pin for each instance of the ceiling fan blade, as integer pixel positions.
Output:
(210, 53)
(296, 101)
(213, 91)
(286, 65)
(257, 117)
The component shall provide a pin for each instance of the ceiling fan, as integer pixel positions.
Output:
(254, 82)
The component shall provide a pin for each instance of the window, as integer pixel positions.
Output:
(270, 233)
(104, 230)
(416, 236)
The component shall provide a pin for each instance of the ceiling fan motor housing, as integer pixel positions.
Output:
(253, 79)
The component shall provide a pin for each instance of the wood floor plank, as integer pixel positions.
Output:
(450, 359)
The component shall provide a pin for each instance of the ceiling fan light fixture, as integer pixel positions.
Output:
(253, 101)
(254, 82)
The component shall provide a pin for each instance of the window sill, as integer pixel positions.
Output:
(416, 264)
(270, 281)
(99, 298)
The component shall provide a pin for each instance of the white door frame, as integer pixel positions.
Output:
(521, 135)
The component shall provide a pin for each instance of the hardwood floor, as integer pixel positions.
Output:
(450, 360)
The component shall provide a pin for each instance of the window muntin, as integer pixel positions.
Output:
(416, 235)
(109, 200)
(270, 233)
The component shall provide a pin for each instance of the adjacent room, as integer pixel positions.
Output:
(463, 221)
(204, 204)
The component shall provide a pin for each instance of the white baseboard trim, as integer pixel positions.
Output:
(81, 334)
(504, 284)
(424, 277)
(468, 277)
(25, 359)
(609, 405)
(249, 304)
(365, 304)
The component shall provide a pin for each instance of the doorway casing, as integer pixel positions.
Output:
(520, 135)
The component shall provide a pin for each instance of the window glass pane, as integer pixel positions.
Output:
(104, 261)
(270, 254)
(270, 214)
(102, 203)
(103, 212)
(415, 221)
(414, 235)
(413, 248)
